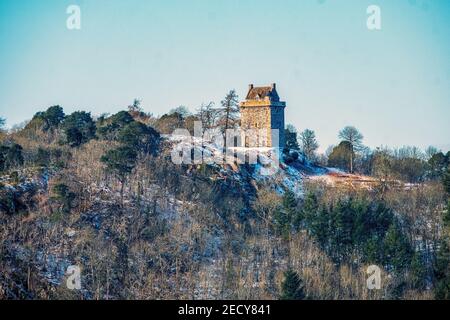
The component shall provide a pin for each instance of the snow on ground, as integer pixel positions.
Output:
(268, 165)
(334, 176)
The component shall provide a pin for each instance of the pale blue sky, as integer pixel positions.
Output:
(331, 70)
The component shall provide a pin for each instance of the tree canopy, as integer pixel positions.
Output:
(79, 128)
(341, 155)
(50, 119)
(139, 137)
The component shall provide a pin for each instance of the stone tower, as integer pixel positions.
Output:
(262, 109)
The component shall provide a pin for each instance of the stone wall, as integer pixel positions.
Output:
(263, 118)
(264, 115)
(258, 117)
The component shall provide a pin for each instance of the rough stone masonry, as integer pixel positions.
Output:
(262, 109)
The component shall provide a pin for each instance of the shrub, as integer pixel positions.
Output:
(10, 156)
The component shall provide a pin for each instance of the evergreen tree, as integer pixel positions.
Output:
(284, 215)
(442, 272)
(361, 213)
(49, 119)
(289, 203)
(442, 264)
(121, 119)
(446, 180)
(397, 251)
(355, 226)
(114, 125)
(139, 137)
(345, 223)
(417, 272)
(79, 128)
(372, 250)
(437, 163)
(54, 116)
(320, 226)
(308, 211)
(292, 287)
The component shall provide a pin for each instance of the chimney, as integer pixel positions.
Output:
(274, 86)
(250, 87)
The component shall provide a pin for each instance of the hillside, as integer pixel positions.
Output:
(104, 194)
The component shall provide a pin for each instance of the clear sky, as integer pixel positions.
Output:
(392, 84)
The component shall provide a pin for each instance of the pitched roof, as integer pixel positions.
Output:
(257, 93)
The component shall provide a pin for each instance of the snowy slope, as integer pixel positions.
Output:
(269, 167)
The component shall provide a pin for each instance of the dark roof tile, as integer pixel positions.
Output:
(257, 93)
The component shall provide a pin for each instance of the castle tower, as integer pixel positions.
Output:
(262, 109)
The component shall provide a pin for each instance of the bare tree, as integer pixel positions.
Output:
(207, 115)
(354, 137)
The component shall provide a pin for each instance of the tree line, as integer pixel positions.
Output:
(409, 164)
